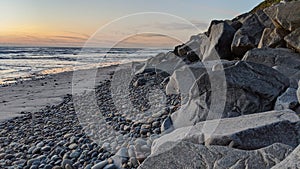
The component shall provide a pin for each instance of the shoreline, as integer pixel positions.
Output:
(37, 93)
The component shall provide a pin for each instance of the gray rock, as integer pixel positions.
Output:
(283, 60)
(288, 100)
(243, 132)
(293, 39)
(272, 38)
(100, 165)
(248, 36)
(243, 88)
(292, 161)
(189, 155)
(182, 79)
(285, 15)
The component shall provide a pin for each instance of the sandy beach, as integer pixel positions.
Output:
(33, 95)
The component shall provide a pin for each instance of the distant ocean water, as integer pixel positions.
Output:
(29, 62)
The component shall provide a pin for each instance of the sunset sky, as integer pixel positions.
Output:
(72, 22)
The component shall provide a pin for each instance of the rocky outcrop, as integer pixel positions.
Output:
(249, 35)
(285, 15)
(189, 155)
(244, 88)
(245, 132)
(283, 60)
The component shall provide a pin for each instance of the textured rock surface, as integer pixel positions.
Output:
(249, 35)
(243, 132)
(220, 35)
(288, 100)
(292, 161)
(182, 79)
(285, 15)
(285, 61)
(293, 39)
(248, 88)
(272, 38)
(189, 155)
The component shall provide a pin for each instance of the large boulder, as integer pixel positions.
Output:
(244, 132)
(285, 15)
(189, 155)
(220, 35)
(244, 88)
(181, 81)
(249, 35)
(283, 60)
(213, 45)
(292, 161)
(293, 39)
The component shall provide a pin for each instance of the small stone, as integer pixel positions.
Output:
(46, 148)
(100, 165)
(72, 146)
(65, 162)
(110, 166)
(40, 144)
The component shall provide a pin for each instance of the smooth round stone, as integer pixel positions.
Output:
(46, 148)
(68, 166)
(40, 144)
(74, 154)
(65, 162)
(48, 167)
(123, 152)
(57, 167)
(100, 165)
(89, 166)
(110, 166)
(140, 142)
(37, 150)
(72, 146)
(34, 167)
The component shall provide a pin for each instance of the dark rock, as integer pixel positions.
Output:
(249, 35)
(220, 35)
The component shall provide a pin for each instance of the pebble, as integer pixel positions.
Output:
(100, 165)
(110, 166)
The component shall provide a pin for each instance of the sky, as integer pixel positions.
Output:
(131, 23)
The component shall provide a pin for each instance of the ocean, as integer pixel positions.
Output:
(34, 62)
